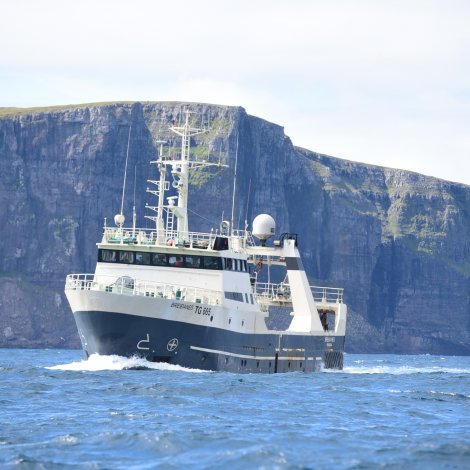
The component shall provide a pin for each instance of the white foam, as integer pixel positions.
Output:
(68, 440)
(402, 370)
(96, 362)
(432, 392)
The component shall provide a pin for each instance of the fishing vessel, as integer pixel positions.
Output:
(203, 300)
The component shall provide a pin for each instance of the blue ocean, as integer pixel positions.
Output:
(58, 411)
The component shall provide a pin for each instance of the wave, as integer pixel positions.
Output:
(435, 393)
(403, 370)
(97, 362)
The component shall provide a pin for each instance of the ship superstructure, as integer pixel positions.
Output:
(196, 299)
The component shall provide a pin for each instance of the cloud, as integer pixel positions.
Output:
(383, 82)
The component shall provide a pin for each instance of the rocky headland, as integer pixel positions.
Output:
(397, 241)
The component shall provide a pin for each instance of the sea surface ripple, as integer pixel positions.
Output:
(58, 411)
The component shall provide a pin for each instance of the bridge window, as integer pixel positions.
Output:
(238, 296)
(126, 257)
(159, 259)
(175, 261)
(107, 256)
(212, 262)
(233, 264)
(142, 258)
(192, 261)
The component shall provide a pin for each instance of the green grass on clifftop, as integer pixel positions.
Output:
(11, 111)
(7, 112)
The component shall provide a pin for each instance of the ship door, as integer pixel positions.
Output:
(276, 356)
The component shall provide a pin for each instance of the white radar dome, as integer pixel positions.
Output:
(264, 226)
(119, 219)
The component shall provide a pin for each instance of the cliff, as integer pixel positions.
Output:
(398, 242)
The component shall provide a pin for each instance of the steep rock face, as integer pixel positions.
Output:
(398, 242)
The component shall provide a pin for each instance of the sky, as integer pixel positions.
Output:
(375, 81)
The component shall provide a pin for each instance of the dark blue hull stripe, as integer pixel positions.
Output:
(205, 347)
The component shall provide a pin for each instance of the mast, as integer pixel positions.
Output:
(161, 186)
(161, 197)
(119, 219)
(234, 188)
(180, 173)
(180, 168)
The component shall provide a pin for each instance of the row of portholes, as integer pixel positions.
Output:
(243, 363)
(230, 321)
(300, 365)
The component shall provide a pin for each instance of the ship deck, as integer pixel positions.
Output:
(266, 294)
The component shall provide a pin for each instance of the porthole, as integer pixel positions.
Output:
(212, 317)
(229, 321)
(257, 364)
(243, 322)
(288, 365)
(300, 365)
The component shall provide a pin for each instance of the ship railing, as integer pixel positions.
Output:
(327, 295)
(145, 236)
(126, 285)
(244, 235)
(281, 293)
(171, 238)
(272, 292)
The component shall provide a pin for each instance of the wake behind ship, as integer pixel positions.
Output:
(197, 299)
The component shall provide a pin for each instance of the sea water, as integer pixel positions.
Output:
(383, 411)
